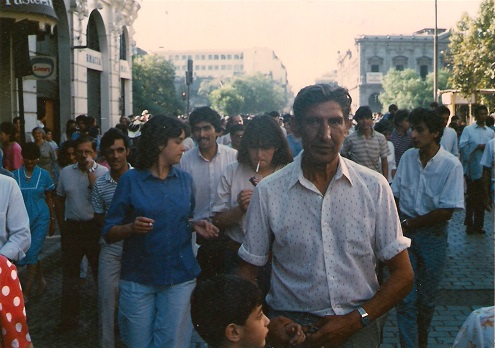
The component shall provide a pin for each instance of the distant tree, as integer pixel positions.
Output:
(472, 47)
(226, 100)
(408, 90)
(153, 85)
(254, 94)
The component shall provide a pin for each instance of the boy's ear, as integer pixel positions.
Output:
(233, 333)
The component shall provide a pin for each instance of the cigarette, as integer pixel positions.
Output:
(258, 167)
(151, 224)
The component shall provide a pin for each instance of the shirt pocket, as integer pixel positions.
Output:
(431, 199)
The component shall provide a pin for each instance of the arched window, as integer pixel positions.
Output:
(92, 33)
(400, 63)
(123, 45)
(374, 103)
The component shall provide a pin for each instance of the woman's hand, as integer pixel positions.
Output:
(243, 199)
(205, 229)
(142, 225)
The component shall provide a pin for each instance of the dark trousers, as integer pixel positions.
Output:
(79, 238)
(475, 209)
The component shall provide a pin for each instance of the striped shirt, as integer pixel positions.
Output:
(102, 194)
(402, 143)
(366, 151)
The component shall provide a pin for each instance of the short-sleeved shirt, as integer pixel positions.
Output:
(12, 157)
(402, 143)
(366, 151)
(235, 178)
(471, 137)
(449, 141)
(103, 191)
(206, 175)
(163, 256)
(487, 159)
(439, 185)
(33, 191)
(48, 158)
(73, 184)
(325, 247)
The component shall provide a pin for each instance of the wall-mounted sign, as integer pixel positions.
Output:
(374, 77)
(34, 10)
(125, 71)
(44, 68)
(94, 60)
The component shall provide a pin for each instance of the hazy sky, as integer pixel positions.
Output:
(305, 34)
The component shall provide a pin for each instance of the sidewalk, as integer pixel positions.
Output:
(467, 284)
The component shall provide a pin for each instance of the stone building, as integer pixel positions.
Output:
(361, 69)
(62, 58)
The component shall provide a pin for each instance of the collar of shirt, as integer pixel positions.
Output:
(219, 150)
(297, 173)
(439, 153)
(360, 133)
(146, 174)
(76, 165)
(109, 178)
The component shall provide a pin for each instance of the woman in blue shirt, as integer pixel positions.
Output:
(37, 190)
(151, 211)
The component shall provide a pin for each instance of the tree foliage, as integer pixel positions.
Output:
(248, 95)
(153, 85)
(472, 57)
(408, 90)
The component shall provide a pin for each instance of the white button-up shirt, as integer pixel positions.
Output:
(449, 141)
(439, 185)
(15, 236)
(325, 247)
(206, 175)
(471, 137)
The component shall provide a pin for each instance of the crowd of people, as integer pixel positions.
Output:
(208, 223)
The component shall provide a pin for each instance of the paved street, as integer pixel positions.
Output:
(467, 284)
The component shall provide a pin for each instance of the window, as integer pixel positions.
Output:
(210, 56)
(400, 63)
(215, 57)
(423, 71)
(375, 68)
(123, 46)
(184, 57)
(236, 56)
(399, 67)
(222, 57)
(229, 56)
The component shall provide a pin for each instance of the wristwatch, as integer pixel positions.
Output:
(91, 170)
(365, 318)
(405, 223)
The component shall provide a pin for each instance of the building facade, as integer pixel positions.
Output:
(78, 60)
(361, 70)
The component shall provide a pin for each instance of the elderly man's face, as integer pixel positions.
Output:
(322, 130)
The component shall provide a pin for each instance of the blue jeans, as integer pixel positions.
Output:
(155, 316)
(427, 254)
(108, 289)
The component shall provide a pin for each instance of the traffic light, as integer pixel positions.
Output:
(183, 95)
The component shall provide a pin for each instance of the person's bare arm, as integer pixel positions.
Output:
(432, 218)
(385, 167)
(51, 207)
(232, 216)
(60, 210)
(334, 330)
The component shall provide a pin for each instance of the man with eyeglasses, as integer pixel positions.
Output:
(205, 163)
(79, 232)
(326, 222)
(116, 147)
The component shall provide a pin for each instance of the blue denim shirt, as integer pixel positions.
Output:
(163, 256)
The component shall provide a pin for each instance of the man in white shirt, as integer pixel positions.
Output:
(327, 221)
(449, 137)
(205, 163)
(428, 187)
(471, 146)
(488, 163)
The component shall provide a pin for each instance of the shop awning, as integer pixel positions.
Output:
(39, 11)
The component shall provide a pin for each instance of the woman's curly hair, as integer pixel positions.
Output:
(155, 133)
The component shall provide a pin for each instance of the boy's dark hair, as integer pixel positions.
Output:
(363, 112)
(392, 108)
(433, 122)
(443, 110)
(383, 127)
(320, 93)
(206, 114)
(30, 151)
(111, 135)
(478, 109)
(85, 139)
(490, 121)
(220, 301)
(264, 131)
(8, 128)
(400, 116)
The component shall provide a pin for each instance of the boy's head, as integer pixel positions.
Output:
(226, 311)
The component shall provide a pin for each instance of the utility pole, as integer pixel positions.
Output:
(189, 80)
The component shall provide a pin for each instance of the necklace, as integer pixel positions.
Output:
(28, 176)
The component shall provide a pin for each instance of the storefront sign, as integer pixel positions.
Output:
(44, 68)
(94, 60)
(33, 10)
(374, 77)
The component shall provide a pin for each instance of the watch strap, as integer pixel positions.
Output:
(365, 318)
